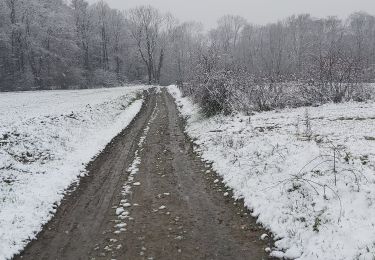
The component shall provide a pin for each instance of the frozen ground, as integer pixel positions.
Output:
(308, 174)
(46, 139)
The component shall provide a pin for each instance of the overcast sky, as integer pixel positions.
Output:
(255, 11)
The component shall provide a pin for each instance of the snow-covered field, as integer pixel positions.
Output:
(46, 140)
(308, 174)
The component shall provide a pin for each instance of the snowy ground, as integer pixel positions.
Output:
(284, 164)
(46, 139)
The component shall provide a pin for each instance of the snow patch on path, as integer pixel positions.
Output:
(133, 170)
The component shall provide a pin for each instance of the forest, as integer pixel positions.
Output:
(301, 60)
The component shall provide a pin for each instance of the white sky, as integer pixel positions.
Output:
(255, 11)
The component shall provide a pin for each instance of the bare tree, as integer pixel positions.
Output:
(146, 23)
(83, 24)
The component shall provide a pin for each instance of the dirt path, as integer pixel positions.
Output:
(165, 207)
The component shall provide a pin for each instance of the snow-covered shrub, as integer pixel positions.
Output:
(214, 94)
(226, 91)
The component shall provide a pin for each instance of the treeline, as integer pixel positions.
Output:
(58, 44)
(48, 44)
(301, 60)
(298, 61)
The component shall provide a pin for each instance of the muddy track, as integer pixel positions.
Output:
(166, 206)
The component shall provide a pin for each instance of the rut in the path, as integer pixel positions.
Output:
(148, 196)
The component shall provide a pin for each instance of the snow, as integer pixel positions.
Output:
(283, 164)
(132, 172)
(46, 140)
(119, 211)
(121, 225)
